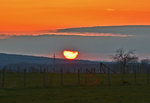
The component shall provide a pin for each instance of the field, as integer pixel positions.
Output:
(70, 91)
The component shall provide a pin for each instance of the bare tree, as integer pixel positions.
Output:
(123, 58)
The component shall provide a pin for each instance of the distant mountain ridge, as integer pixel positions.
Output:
(6, 59)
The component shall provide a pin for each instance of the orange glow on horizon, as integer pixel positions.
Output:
(71, 55)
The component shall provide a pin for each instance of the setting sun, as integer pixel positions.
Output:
(70, 54)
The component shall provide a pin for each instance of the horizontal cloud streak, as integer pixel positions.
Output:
(86, 34)
(122, 30)
(92, 34)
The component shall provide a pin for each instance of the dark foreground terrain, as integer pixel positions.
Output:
(71, 92)
(77, 94)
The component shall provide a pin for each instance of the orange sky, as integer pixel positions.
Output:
(36, 15)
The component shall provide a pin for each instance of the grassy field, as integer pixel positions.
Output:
(71, 92)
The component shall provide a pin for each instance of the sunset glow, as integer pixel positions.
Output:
(36, 15)
(71, 55)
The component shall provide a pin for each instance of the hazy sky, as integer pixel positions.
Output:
(93, 43)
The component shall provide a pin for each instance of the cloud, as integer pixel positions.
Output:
(86, 34)
(97, 31)
(122, 30)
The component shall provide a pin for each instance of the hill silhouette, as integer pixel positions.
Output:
(7, 59)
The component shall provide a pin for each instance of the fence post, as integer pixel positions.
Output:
(3, 77)
(100, 68)
(78, 76)
(44, 77)
(24, 80)
(61, 76)
(51, 77)
(94, 70)
(86, 78)
(147, 76)
(140, 68)
(53, 70)
(135, 75)
(40, 69)
(122, 68)
(109, 76)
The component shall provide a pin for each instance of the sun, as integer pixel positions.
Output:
(71, 55)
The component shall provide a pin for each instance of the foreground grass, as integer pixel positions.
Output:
(70, 92)
(77, 94)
